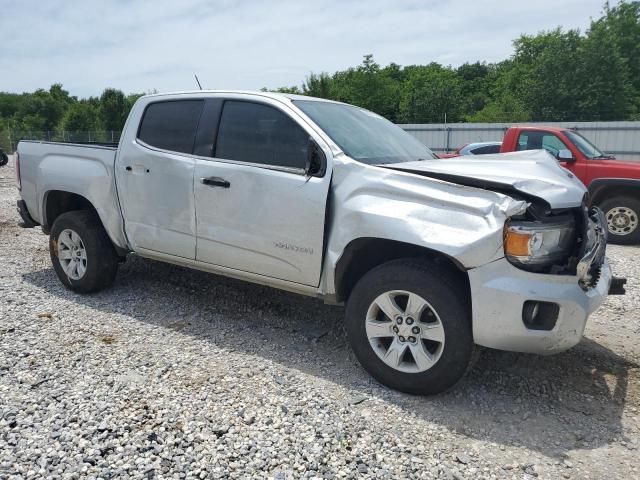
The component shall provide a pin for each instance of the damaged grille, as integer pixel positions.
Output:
(593, 247)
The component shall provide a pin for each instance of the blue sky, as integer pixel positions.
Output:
(139, 46)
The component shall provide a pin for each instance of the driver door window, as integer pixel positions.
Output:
(260, 134)
(540, 140)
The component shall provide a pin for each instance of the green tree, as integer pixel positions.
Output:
(42, 110)
(114, 109)
(505, 100)
(604, 89)
(429, 93)
(474, 87)
(620, 26)
(131, 99)
(367, 86)
(545, 80)
(80, 117)
(622, 23)
(318, 85)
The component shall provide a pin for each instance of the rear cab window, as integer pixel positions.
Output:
(171, 125)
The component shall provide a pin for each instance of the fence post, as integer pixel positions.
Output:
(448, 130)
(111, 136)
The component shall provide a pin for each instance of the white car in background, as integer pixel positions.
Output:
(477, 148)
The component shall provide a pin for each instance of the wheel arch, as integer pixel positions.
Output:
(602, 188)
(57, 202)
(363, 254)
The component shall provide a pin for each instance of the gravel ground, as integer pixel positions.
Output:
(177, 373)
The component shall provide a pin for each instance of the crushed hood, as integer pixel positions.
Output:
(534, 173)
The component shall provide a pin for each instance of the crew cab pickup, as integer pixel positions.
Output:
(613, 185)
(431, 257)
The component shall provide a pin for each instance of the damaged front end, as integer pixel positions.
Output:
(557, 234)
(568, 242)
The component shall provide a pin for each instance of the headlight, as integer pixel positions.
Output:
(536, 244)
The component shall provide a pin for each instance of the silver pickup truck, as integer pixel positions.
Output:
(431, 257)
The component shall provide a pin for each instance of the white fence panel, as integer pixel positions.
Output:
(621, 139)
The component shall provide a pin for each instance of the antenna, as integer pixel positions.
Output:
(198, 82)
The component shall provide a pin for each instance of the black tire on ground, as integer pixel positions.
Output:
(4, 159)
(628, 208)
(437, 285)
(101, 257)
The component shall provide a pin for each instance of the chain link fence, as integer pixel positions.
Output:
(9, 138)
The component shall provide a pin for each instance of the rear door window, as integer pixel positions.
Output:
(171, 125)
(257, 133)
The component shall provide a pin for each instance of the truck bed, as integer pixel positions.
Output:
(86, 170)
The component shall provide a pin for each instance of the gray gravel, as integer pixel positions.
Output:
(174, 373)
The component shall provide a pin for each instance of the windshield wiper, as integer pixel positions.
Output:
(603, 157)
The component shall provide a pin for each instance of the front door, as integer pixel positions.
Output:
(256, 209)
(155, 180)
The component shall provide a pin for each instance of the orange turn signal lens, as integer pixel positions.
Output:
(516, 244)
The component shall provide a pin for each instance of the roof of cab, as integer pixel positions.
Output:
(541, 128)
(274, 95)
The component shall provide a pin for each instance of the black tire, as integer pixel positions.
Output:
(4, 159)
(437, 285)
(629, 204)
(101, 257)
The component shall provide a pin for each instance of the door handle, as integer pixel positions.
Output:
(215, 182)
(139, 168)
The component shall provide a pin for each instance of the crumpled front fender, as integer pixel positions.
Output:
(464, 223)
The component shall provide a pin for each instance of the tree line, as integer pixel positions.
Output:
(54, 110)
(555, 75)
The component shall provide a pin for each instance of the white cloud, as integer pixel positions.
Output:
(138, 46)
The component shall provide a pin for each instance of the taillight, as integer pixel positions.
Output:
(18, 179)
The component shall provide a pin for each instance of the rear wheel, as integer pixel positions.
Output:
(623, 219)
(408, 324)
(81, 252)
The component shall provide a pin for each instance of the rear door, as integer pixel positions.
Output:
(256, 209)
(155, 179)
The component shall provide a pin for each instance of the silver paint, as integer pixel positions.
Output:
(167, 214)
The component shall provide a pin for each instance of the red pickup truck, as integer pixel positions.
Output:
(613, 185)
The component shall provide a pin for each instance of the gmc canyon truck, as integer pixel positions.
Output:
(613, 185)
(431, 257)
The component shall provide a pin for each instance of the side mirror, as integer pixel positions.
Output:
(316, 163)
(565, 155)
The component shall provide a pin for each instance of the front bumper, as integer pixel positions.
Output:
(499, 291)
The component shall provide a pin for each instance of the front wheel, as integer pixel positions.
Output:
(81, 253)
(408, 324)
(623, 219)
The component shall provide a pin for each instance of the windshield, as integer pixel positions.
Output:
(364, 135)
(587, 148)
